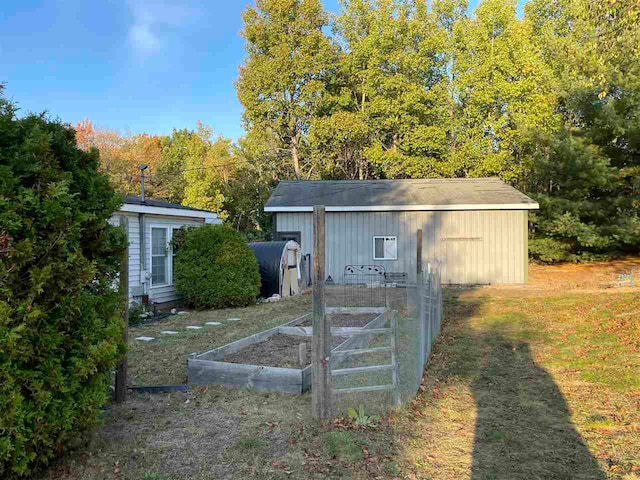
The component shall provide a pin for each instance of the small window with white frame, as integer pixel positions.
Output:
(385, 248)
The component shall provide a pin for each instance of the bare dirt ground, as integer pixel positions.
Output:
(526, 382)
(346, 320)
(277, 351)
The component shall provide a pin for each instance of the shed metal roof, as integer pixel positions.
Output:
(389, 195)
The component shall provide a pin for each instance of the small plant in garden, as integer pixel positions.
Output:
(360, 418)
(154, 476)
(341, 444)
(250, 443)
(215, 268)
(135, 314)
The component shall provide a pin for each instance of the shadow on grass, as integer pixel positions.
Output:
(523, 426)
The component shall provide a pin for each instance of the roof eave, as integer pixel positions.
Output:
(173, 212)
(394, 208)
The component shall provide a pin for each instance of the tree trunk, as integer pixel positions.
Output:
(295, 156)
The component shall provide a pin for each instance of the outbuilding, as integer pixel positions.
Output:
(476, 227)
(151, 224)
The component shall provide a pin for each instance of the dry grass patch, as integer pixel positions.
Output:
(534, 387)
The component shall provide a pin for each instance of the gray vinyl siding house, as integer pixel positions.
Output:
(477, 228)
(151, 224)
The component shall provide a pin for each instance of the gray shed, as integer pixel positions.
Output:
(477, 227)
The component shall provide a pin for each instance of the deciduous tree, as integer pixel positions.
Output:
(282, 79)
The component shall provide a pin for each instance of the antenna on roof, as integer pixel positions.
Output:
(142, 167)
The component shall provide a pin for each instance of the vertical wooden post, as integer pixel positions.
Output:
(321, 341)
(121, 372)
(420, 306)
(419, 251)
(302, 355)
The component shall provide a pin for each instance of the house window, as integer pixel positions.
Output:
(385, 248)
(159, 257)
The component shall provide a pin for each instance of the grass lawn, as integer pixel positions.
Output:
(522, 387)
(524, 383)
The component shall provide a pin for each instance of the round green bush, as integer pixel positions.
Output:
(215, 268)
(60, 317)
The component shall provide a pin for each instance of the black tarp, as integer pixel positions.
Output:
(269, 255)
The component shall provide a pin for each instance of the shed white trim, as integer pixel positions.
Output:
(174, 212)
(395, 208)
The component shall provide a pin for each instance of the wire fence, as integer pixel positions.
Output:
(381, 363)
(364, 286)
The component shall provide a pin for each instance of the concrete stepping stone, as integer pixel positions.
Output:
(213, 324)
(145, 339)
(169, 332)
(194, 327)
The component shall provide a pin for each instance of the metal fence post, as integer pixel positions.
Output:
(395, 367)
(429, 296)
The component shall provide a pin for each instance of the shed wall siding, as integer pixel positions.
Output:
(475, 247)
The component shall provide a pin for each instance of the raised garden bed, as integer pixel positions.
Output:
(270, 358)
(280, 350)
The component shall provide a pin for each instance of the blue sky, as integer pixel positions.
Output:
(130, 65)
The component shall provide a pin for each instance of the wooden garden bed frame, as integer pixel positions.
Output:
(209, 368)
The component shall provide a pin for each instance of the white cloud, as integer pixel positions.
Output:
(153, 21)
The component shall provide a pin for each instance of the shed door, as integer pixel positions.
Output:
(286, 236)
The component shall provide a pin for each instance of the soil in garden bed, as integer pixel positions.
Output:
(276, 351)
(347, 319)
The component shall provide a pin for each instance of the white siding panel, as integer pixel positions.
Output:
(133, 249)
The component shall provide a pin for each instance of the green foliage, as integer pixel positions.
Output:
(206, 164)
(135, 314)
(360, 418)
(340, 444)
(60, 318)
(586, 174)
(504, 92)
(215, 268)
(257, 169)
(250, 443)
(154, 476)
(392, 80)
(282, 79)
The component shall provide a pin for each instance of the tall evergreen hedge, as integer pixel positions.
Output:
(215, 268)
(60, 323)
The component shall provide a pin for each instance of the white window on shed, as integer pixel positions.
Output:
(385, 248)
(159, 256)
